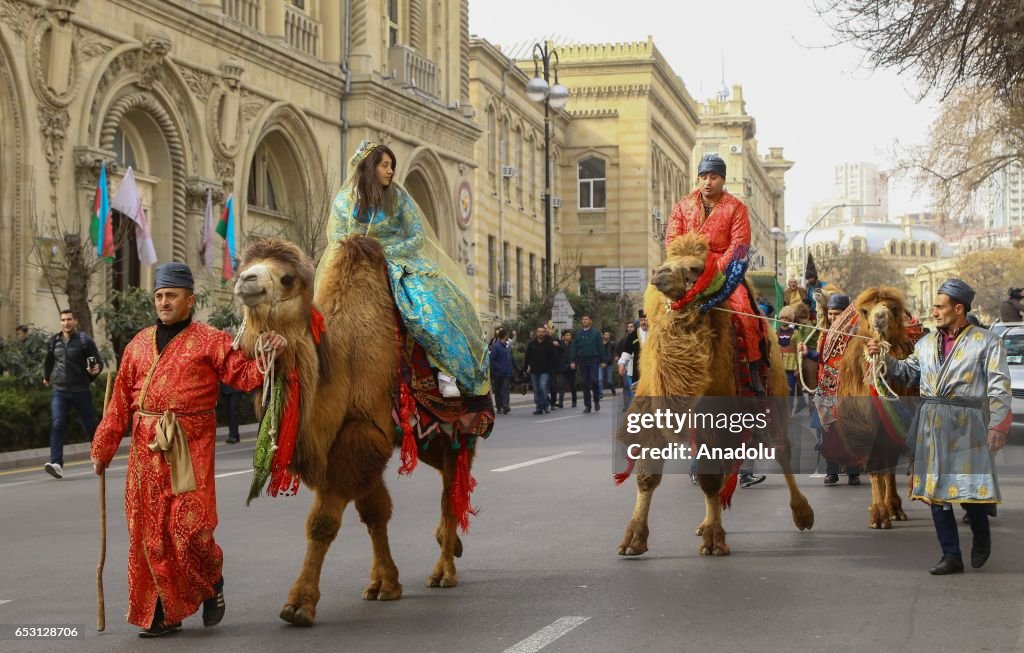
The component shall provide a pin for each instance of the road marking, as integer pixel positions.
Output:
(244, 471)
(2, 601)
(546, 635)
(558, 419)
(49, 479)
(536, 461)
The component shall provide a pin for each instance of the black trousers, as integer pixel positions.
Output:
(946, 526)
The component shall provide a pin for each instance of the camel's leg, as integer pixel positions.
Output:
(322, 526)
(709, 518)
(712, 533)
(634, 542)
(879, 510)
(803, 514)
(892, 497)
(444, 573)
(375, 510)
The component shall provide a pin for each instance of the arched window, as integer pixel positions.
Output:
(892, 247)
(903, 249)
(519, 166)
(492, 140)
(592, 183)
(933, 250)
(913, 249)
(124, 151)
(262, 181)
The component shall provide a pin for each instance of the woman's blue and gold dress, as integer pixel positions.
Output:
(436, 311)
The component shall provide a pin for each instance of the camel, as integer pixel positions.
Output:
(348, 381)
(690, 354)
(861, 428)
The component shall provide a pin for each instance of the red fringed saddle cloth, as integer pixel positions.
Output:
(422, 415)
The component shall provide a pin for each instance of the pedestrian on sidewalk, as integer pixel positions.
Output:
(586, 355)
(166, 393)
(541, 359)
(566, 373)
(626, 363)
(230, 400)
(501, 371)
(607, 365)
(72, 364)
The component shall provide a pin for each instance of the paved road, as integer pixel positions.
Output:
(540, 561)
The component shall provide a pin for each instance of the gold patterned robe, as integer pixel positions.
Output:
(171, 552)
(962, 399)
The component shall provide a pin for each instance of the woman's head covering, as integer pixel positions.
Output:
(711, 163)
(173, 275)
(787, 314)
(362, 152)
(958, 291)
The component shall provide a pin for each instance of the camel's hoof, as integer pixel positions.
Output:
(705, 550)
(632, 551)
(721, 550)
(901, 516)
(886, 524)
(803, 519)
(378, 592)
(439, 580)
(874, 525)
(700, 530)
(297, 616)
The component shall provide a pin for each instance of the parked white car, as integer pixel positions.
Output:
(1013, 339)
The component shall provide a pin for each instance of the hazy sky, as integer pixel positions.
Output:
(820, 104)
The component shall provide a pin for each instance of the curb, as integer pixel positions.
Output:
(28, 458)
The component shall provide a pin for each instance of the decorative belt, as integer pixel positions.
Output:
(171, 439)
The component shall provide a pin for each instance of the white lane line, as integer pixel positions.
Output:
(49, 479)
(558, 419)
(2, 601)
(244, 471)
(536, 461)
(546, 635)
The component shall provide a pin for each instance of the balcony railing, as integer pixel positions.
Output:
(412, 68)
(247, 12)
(301, 32)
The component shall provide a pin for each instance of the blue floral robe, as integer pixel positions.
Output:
(437, 313)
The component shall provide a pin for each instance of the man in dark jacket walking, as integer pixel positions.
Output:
(72, 363)
(501, 371)
(586, 355)
(566, 371)
(541, 359)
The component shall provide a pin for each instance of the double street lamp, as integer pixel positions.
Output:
(540, 89)
(803, 243)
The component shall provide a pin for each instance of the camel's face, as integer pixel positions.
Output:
(677, 275)
(883, 316)
(265, 281)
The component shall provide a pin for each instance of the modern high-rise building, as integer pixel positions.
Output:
(854, 183)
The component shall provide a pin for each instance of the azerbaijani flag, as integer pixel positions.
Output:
(101, 230)
(226, 228)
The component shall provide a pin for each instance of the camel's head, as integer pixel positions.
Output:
(684, 263)
(274, 271)
(882, 312)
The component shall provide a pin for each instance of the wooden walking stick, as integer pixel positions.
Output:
(101, 612)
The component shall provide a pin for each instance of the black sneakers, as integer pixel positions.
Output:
(981, 550)
(213, 607)
(831, 479)
(160, 629)
(948, 565)
(750, 480)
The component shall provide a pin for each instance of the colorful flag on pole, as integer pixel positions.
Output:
(129, 203)
(226, 228)
(206, 248)
(101, 231)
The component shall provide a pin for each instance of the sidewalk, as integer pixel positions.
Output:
(28, 458)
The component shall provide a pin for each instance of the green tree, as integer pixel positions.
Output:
(22, 358)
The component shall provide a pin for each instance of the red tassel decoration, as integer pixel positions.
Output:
(287, 435)
(621, 477)
(727, 491)
(462, 486)
(406, 406)
(316, 325)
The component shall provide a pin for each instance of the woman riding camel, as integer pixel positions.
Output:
(428, 289)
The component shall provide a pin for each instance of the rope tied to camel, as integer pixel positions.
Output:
(878, 369)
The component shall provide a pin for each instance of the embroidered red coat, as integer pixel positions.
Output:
(726, 227)
(172, 554)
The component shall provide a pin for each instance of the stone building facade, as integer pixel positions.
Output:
(263, 99)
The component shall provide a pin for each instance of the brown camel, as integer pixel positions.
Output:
(346, 430)
(689, 354)
(861, 427)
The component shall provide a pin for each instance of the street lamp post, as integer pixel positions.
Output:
(777, 235)
(539, 89)
(803, 243)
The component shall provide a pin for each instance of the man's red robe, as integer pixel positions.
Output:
(726, 227)
(171, 552)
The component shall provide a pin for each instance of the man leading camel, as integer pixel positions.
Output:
(166, 391)
(963, 375)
